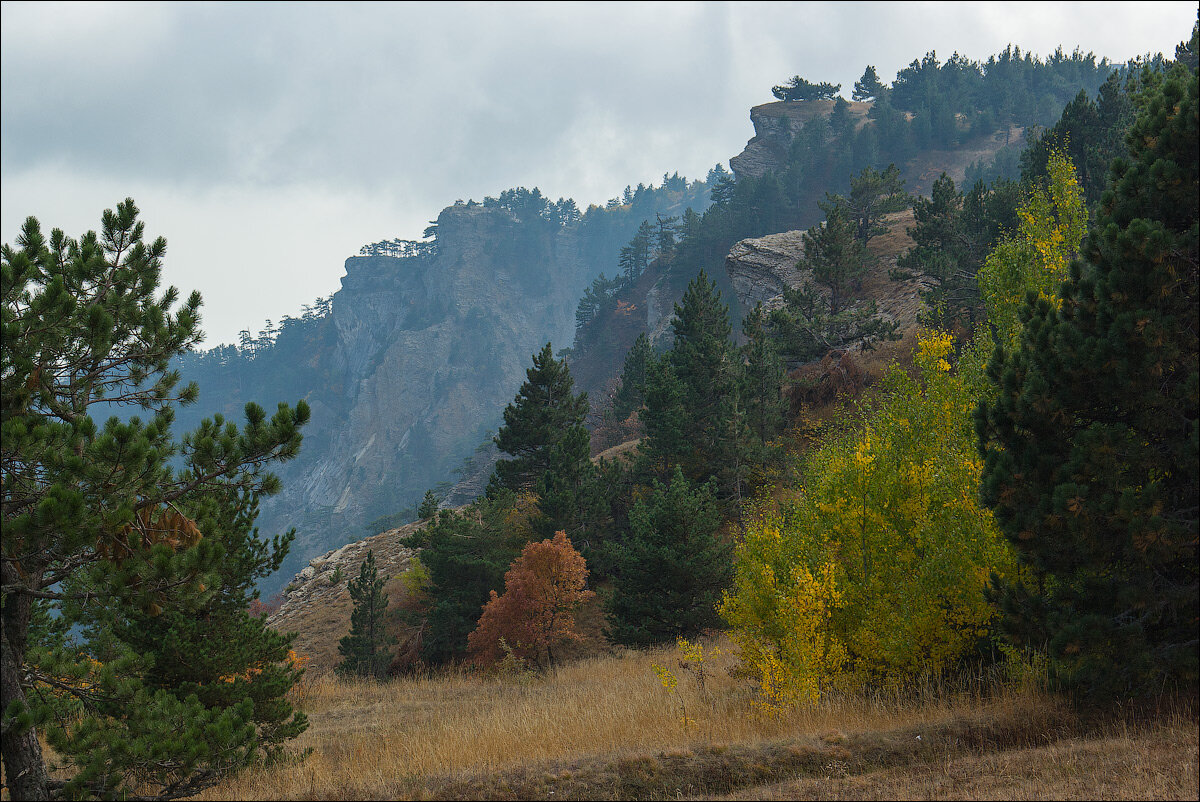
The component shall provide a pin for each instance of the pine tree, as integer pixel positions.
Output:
(101, 531)
(873, 194)
(836, 257)
(808, 325)
(761, 380)
(543, 411)
(672, 569)
(466, 554)
(952, 237)
(868, 87)
(638, 364)
(364, 651)
(800, 89)
(218, 650)
(840, 122)
(428, 507)
(689, 391)
(665, 419)
(570, 498)
(1091, 442)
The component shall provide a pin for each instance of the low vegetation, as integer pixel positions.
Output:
(607, 728)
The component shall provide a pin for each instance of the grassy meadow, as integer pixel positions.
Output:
(605, 727)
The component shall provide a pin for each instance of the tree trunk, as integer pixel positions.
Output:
(24, 768)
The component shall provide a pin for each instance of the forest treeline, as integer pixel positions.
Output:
(1025, 494)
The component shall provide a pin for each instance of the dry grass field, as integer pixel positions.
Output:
(605, 728)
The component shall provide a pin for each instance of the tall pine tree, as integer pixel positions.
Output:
(100, 530)
(545, 409)
(672, 569)
(687, 401)
(1091, 442)
(364, 651)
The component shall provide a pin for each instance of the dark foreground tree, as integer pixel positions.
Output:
(100, 530)
(1091, 443)
(466, 554)
(364, 651)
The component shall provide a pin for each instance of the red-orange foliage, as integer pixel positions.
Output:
(542, 589)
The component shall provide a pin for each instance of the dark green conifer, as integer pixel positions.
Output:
(364, 651)
(466, 554)
(665, 420)
(702, 361)
(672, 569)
(761, 380)
(868, 87)
(873, 194)
(570, 498)
(428, 507)
(1091, 444)
(545, 408)
(100, 529)
(638, 363)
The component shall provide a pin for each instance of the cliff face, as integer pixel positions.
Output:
(429, 349)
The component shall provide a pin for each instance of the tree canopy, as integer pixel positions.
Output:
(118, 528)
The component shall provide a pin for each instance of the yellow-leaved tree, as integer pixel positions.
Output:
(878, 569)
(1037, 256)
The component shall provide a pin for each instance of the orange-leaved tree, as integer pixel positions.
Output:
(542, 590)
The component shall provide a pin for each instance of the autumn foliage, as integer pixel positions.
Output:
(542, 590)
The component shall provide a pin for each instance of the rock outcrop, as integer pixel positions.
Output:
(761, 268)
(316, 603)
(775, 125)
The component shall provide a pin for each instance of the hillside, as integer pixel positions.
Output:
(646, 304)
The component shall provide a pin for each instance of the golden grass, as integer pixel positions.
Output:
(605, 728)
(1151, 762)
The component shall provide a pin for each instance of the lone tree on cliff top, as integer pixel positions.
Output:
(800, 89)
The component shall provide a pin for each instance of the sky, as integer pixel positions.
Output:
(269, 142)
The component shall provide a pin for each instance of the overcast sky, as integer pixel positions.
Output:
(269, 142)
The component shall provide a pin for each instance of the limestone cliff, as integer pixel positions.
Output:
(408, 367)
(429, 349)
